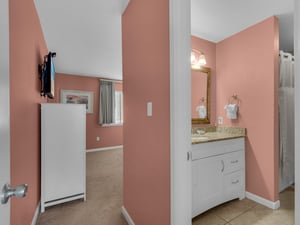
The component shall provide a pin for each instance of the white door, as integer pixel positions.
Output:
(4, 109)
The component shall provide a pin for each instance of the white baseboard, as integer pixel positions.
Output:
(36, 214)
(104, 149)
(127, 216)
(263, 201)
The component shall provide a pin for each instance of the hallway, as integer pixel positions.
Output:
(104, 195)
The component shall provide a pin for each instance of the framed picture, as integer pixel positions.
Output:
(78, 97)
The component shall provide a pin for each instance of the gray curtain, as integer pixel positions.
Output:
(107, 102)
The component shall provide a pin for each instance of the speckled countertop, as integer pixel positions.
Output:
(214, 133)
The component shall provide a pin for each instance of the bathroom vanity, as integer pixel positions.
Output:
(218, 169)
(218, 153)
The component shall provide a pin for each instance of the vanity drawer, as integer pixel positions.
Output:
(234, 161)
(234, 185)
(213, 148)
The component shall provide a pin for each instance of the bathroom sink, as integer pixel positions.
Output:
(199, 138)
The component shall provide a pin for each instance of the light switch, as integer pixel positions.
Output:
(149, 108)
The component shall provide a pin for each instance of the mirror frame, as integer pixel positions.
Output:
(206, 70)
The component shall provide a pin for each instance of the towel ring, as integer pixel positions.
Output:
(233, 98)
(202, 100)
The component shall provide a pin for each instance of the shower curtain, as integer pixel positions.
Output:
(287, 121)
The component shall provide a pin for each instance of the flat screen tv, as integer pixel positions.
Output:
(47, 71)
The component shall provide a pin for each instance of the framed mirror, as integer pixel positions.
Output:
(200, 95)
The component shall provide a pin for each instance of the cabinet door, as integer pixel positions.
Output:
(207, 177)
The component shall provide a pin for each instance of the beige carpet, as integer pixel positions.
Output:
(104, 195)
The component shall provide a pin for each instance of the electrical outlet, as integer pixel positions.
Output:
(97, 138)
(220, 120)
(149, 109)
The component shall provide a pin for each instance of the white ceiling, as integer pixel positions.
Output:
(86, 35)
(215, 20)
(87, 38)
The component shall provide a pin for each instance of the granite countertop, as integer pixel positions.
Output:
(216, 134)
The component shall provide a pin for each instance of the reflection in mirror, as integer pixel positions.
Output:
(200, 96)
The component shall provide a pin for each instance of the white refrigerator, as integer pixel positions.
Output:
(63, 151)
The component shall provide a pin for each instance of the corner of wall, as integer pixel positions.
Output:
(236, 74)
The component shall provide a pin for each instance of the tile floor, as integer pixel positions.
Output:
(247, 212)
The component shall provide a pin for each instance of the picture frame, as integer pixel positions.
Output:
(78, 97)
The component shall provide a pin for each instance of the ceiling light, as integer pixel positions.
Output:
(197, 59)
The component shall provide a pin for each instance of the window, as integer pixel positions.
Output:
(111, 104)
(118, 107)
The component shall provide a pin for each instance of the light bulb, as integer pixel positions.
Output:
(193, 58)
(202, 60)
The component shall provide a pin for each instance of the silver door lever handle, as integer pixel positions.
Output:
(7, 192)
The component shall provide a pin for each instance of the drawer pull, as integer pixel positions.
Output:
(234, 161)
(223, 165)
(235, 182)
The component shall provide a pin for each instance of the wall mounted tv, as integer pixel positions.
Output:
(47, 74)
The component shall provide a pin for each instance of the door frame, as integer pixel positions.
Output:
(180, 112)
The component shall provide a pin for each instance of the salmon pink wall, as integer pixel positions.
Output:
(146, 78)
(247, 64)
(209, 50)
(109, 136)
(27, 48)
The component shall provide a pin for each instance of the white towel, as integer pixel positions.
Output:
(201, 111)
(231, 111)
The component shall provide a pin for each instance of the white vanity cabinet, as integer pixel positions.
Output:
(218, 173)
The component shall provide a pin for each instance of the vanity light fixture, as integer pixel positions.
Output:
(197, 59)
